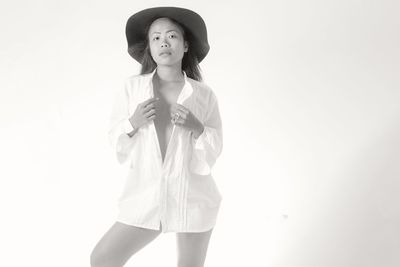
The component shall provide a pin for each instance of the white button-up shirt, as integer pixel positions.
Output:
(179, 194)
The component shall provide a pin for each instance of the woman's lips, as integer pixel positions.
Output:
(165, 54)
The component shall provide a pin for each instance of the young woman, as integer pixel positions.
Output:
(166, 126)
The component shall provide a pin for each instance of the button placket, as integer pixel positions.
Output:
(184, 94)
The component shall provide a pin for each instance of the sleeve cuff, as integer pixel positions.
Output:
(127, 126)
(199, 163)
(199, 142)
(125, 143)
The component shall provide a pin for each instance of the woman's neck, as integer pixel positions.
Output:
(169, 75)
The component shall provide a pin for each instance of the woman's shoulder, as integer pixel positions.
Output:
(136, 81)
(137, 77)
(202, 89)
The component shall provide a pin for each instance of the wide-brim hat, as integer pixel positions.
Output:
(138, 22)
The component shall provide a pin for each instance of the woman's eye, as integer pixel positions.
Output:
(172, 35)
(155, 38)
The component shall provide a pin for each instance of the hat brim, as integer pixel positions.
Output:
(137, 23)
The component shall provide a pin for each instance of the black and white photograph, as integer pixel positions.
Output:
(200, 133)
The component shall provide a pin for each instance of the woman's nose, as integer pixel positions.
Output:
(164, 44)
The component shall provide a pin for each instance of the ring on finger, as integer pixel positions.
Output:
(176, 117)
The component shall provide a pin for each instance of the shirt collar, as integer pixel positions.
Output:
(186, 92)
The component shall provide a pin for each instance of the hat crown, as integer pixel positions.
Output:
(138, 23)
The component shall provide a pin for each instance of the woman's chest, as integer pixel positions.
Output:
(162, 122)
(168, 96)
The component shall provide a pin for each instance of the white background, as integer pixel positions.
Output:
(309, 96)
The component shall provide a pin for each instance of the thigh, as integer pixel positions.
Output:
(192, 248)
(119, 243)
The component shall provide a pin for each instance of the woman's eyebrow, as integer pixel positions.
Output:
(166, 31)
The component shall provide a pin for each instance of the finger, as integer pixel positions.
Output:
(145, 113)
(148, 101)
(180, 122)
(149, 113)
(174, 114)
(152, 117)
(174, 117)
(183, 109)
(149, 107)
(181, 114)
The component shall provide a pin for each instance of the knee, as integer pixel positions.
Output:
(97, 258)
(100, 257)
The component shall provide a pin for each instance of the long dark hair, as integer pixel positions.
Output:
(190, 63)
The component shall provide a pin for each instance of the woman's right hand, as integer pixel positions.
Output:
(144, 113)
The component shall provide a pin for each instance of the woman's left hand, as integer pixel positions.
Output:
(182, 116)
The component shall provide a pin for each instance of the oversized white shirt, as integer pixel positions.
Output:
(179, 194)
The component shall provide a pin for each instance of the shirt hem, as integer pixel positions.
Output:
(146, 226)
(158, 228)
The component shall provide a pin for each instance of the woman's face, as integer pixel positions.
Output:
(166, 42)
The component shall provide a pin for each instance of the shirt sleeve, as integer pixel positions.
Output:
(208, 146)
(119, 139)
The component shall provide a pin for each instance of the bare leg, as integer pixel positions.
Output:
(192, 248)
(119, 243)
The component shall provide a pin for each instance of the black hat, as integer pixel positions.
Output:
(136, 26)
